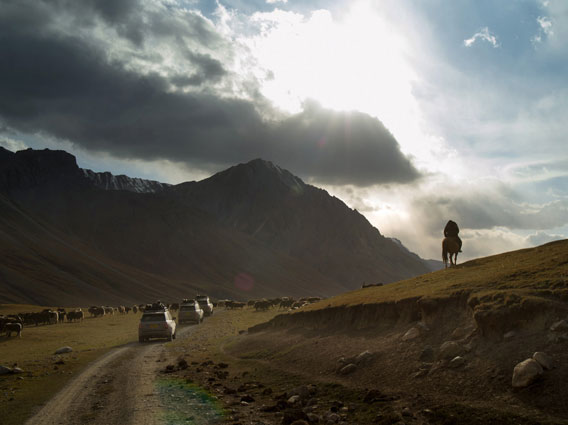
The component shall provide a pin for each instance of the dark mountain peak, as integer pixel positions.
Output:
(29, 168)
(47, 160)
(5, 153)
(260, 173)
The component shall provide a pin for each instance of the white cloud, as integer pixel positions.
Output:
(545, 30)
(485, 35)
(546, 24)
(540, 238)
(276, 1)
(12, 144)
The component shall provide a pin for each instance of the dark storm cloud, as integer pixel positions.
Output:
(66, 86)
(335, 145)
(209, 69)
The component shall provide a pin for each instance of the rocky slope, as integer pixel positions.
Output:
(254, 230)
(108, 181)
(484, 342)
(279, 209)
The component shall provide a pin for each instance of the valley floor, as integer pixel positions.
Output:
(219, 373)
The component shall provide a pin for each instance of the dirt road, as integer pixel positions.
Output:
(118, 388)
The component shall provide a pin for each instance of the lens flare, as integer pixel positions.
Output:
(187, 403)
(244, 282)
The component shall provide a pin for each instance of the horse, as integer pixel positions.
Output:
(450, 245)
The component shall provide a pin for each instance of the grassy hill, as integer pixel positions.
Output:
(499, 293)
(495, 311)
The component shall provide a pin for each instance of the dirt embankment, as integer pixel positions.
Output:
(490, 333)
(492, 315)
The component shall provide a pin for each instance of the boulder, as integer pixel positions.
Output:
(456, 362)
(525, 373)
(411, 334)
(560, 326)
(313, 418)
(294, 399)
(422, 327)
(544, 360)
(5, 370)
(63, 350)
(364, 358)
(346, 370)
(509, 335)
(461, 332)
(450, 349)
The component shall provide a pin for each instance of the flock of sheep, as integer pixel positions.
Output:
(265, 304)
(14, 323)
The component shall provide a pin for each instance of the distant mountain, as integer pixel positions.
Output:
(433, 265)
(29, 168)
(279, 209)
(251, 231)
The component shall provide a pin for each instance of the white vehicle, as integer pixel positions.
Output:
(205, 304)
(190, 312)
(157, 323)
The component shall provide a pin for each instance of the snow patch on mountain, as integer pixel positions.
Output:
(108, 181)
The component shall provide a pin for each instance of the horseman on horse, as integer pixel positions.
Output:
(451, 231)
(452, 243)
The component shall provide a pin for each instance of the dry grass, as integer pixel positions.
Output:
(209, 338)
(479, 393)
(22, 394)
(541, 271)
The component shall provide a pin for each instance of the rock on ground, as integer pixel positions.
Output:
(346, 370)
(544, 360)
(525, 373)
(456, 362)
(560, 326)
(450, 349)
(411, 334)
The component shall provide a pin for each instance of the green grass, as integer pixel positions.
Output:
(21, 395)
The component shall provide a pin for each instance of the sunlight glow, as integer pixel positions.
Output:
(356, 62)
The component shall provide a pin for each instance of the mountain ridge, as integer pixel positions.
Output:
(254, 221)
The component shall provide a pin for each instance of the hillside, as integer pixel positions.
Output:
(303, 221)
(45, 266)
(178, 249)
(264, 238)
(443, 346)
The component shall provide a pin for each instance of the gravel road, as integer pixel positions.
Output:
(117, 388)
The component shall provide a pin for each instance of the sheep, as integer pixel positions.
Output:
(75, 315)
(13, 327)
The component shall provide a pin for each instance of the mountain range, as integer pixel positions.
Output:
(71, 236)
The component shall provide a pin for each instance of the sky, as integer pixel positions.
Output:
(413, 112)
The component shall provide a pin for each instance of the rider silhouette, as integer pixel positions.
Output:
(452, 230)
